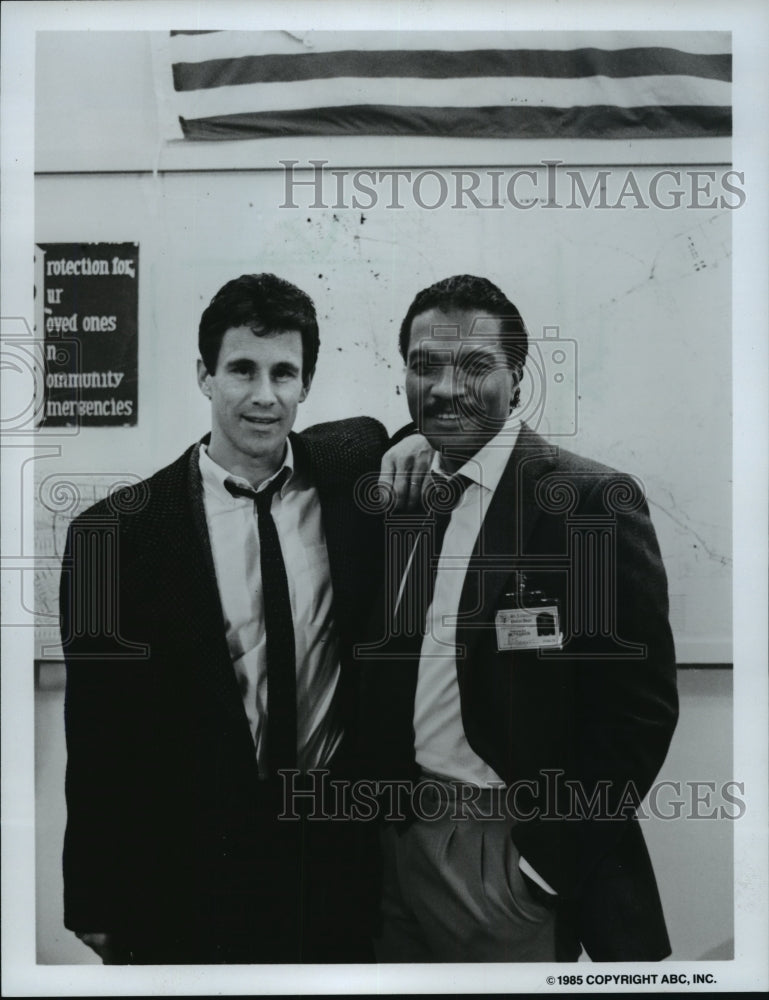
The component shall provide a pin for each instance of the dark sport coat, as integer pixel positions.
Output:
(580, 732)
(170, 838)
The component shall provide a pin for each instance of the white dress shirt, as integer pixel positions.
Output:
(440, 741)
(232, 527)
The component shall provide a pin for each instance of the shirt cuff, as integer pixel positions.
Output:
(526, 868)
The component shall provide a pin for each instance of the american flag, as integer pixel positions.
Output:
(572, 85)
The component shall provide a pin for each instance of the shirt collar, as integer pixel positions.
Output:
(214, 476)
(487, 465)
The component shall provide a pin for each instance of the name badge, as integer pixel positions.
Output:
(529, 628)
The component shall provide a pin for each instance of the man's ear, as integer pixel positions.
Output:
(204, 379)
(515, 396)
(307, 380)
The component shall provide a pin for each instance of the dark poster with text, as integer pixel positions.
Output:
(89, 313)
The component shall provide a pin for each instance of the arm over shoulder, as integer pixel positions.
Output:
(346, 446)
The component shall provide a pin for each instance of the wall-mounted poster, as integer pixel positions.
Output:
(87, 299)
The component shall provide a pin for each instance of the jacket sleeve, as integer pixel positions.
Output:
(624, 704)
(627, 697)
(343, 448)
(102, 717)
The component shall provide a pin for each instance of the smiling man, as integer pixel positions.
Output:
(463, 367)
(255, 386)
(207, 620)
(521, 675)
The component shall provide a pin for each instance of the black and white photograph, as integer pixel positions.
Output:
(384, 483)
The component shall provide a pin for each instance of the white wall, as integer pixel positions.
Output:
(643, 294)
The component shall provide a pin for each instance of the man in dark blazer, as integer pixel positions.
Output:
(175, 850)
(519, 675)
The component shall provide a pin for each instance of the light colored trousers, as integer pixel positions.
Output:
(453, 891)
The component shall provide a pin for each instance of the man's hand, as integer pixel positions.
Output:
(106, 947)
(404, 468)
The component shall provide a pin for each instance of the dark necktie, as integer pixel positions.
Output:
(279, 630)
(390, 678)
(441, 496)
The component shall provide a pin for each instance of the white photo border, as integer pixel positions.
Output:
(748, 20)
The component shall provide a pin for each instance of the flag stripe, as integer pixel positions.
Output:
(234, 44)
(437, 65)
(593, 122)
(232, 84)
(478, 93)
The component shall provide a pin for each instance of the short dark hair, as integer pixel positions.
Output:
(466, 291)
(266, 304)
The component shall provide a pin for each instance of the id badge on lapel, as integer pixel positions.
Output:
(531, 621)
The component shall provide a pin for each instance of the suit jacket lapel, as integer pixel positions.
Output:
(190, 535)
(510, 519)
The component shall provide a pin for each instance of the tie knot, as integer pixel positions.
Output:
(443, 493)
(263, 497)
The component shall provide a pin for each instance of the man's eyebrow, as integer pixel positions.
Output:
(473, 349)
(425, 352)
